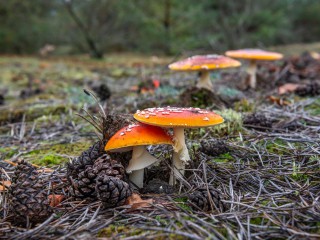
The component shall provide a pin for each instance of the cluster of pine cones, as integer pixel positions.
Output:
(92, 175)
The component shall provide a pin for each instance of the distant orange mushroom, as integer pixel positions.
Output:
(204, 64)
(254, 55)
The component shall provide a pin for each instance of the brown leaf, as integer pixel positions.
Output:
(288, 88)
(137, 202)
(279, 101)
(4, 185)
(55, 200)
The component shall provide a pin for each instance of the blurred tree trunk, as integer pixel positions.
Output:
(95, 52)
(167, 25)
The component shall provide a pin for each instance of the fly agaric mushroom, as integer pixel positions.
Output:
(134, 137)
(204, 64)
(178, 119)
(254, 55)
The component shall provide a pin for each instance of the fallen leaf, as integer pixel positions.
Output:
(279, 101)
(137, 202)
(134, 88)
(146, 90)
(4, 185)
(288, 88)
(55, 200)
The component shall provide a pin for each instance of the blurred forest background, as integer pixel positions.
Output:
(155, 27)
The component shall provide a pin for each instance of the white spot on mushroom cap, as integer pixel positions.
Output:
(205, 67)
(206, 119)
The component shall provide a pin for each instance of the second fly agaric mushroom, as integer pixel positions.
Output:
(135, 137)
(254, 55)
(204, 64)
(178, 119)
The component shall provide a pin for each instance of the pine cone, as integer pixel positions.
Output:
(29, 197)
(84, 185)
(104, 165)
(200, 198)
(257, 120)
(86, 158)
(214, 148)
(80, 171)
(112, 191)
(311, 89)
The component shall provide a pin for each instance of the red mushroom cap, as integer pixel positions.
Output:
(178, 117)
(204, 62)
(138, 135)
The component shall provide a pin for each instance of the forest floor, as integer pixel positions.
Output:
(264, 160)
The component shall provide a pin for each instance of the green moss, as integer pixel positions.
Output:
(113, 231)
(232, 123)
(56, 154)
(231, 126)
(50, 160)
(182, 202)
(244, 105)
(278, 146)
(8, 152)
(200, 99)
(223, 158)
(162, 220)
(257, 220)
(314, 108)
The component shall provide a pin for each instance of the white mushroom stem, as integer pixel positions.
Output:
(252, 71)
(180, 156)
(141, 159)
(137, 178)
(204, 81)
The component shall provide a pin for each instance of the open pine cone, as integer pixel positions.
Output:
(199, 199)
(28, 195)
(112, 191)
